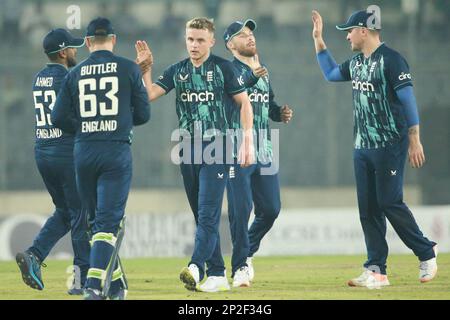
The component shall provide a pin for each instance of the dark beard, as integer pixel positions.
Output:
(247, 52)
(71, 62)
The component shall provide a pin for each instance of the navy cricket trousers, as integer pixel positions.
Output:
(205, 186)
(104, 172)
(245, 187)
(56, 166)
(379, 182)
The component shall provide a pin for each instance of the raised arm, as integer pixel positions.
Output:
(328, 65)
(319, 43)
(139, 100)
(145, 60)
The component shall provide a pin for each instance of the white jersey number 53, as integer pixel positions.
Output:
(43, 117)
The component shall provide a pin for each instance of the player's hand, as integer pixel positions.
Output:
(416, 156)
(144, 56)
(286, 113)
(317, 25)
(143, 52)
(258, 70)
(246, 156)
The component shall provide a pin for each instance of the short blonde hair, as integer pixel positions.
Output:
(202, 24)
(100, 39)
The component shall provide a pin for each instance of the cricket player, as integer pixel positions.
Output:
(205, 87)
(100, 100)
(251, 185)
(386, 131)
(54, 159)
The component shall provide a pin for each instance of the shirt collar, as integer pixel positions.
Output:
(59, 65)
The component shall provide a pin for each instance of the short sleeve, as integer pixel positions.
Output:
(344, 68)
(166, 81)
(234, 84)
(397, 72)
(249, 79)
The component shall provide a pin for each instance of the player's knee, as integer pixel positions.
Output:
(364, 213)
(108, 220)
(387, 204)
(209, 224)
(273, 210)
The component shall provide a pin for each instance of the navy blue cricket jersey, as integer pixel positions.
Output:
(102, 98)
(46, 86)
(379, 117)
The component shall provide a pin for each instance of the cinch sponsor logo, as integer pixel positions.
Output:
(404, 76)
(258, 97)
(362, 86)
(189, 96)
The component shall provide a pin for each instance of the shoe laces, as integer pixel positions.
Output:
(366, 274)
(193, 268)
(423, 265)
(241, 274)
(36, 259)
(41, 264)
(243, 270)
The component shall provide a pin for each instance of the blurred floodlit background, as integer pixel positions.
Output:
(316, 167)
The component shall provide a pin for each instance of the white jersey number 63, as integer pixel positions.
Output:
(88, 101)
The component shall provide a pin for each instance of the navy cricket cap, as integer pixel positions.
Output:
(236, 27)
(99, 27)
(359, 19)
(60, 39)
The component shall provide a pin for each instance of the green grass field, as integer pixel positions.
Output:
(296, 277)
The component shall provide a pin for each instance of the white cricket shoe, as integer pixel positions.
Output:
(190, 276)
(215, 284)
(241, 278)
(370, 280)
(251, 271)
(428, 268)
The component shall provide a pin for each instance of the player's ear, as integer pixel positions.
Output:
(62, 54)
(364, 32)
(230, 45)
(114, 40)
